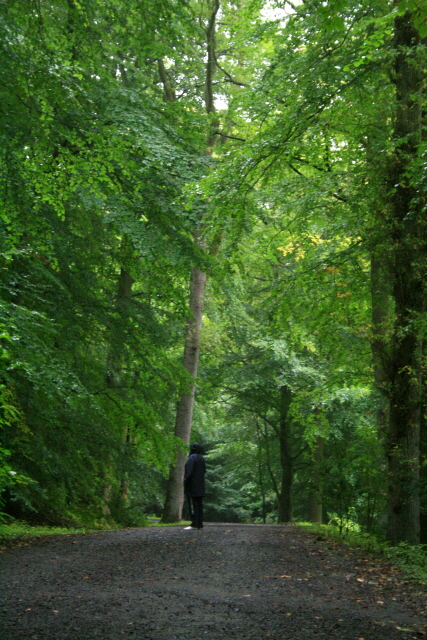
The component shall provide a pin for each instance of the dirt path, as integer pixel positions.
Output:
(227, 581)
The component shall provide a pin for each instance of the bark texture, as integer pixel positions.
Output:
(175, 489)
(315, 507)
(169, 90)
(210, 71)
(286, 460)
(113, 376)
(423, 464)
(408, 247)
(380, 343)
(114, 360)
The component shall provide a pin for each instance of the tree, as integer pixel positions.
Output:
(183, 422)
(407, 239)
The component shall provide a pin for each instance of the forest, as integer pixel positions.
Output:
(213, 229)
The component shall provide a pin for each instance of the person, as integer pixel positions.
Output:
(194, 485)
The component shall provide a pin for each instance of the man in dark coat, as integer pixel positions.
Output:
(194, 485)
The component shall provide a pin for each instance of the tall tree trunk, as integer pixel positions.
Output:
(315, 507)
(380, 301)
(172, 511)
(114, 359)
(114, 371)
(408, 247)
(423, 464)
(175, 491)
(260, 473)
(285, 502)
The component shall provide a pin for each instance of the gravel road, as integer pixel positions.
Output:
(227, 581)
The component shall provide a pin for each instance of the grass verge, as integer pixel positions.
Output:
(18, 530)
(22, 530)
(183, 523)
(410, 559)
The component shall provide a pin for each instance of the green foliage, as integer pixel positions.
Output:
(294, 303)
(103, 177)
(21, 533)
(8, 478)
(93, 172)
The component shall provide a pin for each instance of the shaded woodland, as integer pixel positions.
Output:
(213, 228)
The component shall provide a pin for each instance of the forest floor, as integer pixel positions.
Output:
(227, 581)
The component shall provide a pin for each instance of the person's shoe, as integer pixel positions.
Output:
(187, 528)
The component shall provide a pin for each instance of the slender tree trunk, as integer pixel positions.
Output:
(175, 492)
(114, 359)
(113, 376)
(260, 474)
(172, 511)
(315, 506)
(261, 486)
(408, 246)
(210, 72)
(169, 90)
(285, 502)
(274, 483)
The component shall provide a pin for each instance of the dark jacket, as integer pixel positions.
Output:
(194, 478)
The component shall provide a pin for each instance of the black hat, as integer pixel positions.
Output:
(195, 448)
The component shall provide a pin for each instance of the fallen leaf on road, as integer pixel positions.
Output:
(146, 580)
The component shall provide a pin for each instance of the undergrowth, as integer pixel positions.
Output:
(410, 559)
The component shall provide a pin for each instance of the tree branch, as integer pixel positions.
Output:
(291, 4)
(169, 95)
(230, 78)
(334, 195)
(224, 135)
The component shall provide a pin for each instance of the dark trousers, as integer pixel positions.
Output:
(196, 511)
